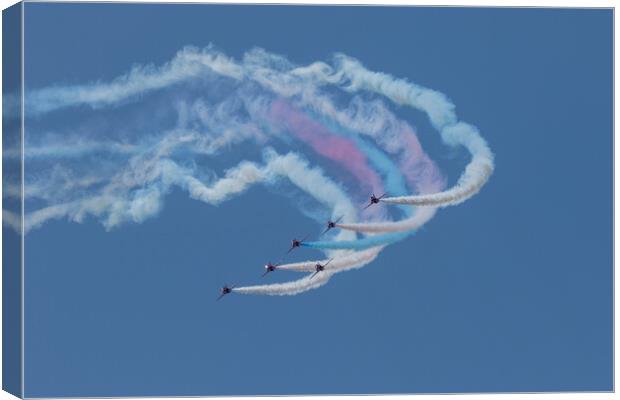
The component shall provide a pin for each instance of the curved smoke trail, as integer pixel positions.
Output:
(441, 113)
(235, 181)
(269, 99)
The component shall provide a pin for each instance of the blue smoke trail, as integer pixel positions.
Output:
(394, 182)
(360, 244)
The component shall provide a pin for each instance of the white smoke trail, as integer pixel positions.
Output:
(155, 176)
(290, 166)
(46, 189)
(188, 63)
(287, 288)
(476, 174)
(356, 260)
(337, 262)
(421, 216)
(71, 150)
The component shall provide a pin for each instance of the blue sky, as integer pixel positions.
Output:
(509, 291)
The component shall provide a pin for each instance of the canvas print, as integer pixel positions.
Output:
(211, 200)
